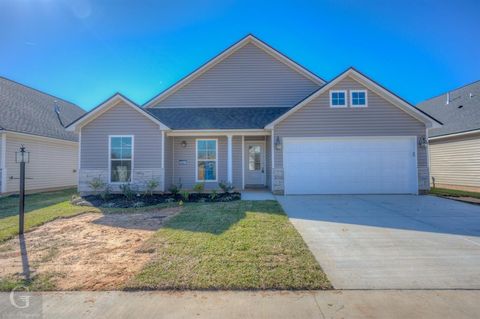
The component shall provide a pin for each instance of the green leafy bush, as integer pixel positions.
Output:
(185, 195)
(175, 189)
(96, 184)
(199, 187)
(150, 186)
(226, 187)
(127, 191)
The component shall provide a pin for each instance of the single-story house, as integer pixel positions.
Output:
(455, 147)
(252, 117)
(36, 120)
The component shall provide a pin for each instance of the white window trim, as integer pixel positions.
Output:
(110, 159)
(358, 91)
(216, 160)
(338, 91)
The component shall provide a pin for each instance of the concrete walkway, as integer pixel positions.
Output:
(227, 304)
(390, 241)
(257, 194)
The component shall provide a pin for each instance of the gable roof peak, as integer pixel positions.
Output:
(249, 38)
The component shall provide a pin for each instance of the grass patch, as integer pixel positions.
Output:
(39, 209)
(453, 192)
(43, 282)
(235, 245)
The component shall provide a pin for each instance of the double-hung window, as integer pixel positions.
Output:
(207, 151)
(358, 98)
(338, 98)
(121, 158)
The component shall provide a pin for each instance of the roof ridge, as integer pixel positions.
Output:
(41, 92)
(455, 89)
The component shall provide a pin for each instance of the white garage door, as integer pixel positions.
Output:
(380, 165)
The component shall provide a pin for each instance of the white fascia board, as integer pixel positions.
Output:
(368, 84)
(454, 135)
(39, 137)
(110, 103)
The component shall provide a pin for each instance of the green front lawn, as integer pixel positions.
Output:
(453, 192)
(39, 209)
(236, 245)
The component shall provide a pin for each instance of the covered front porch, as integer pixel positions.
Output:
(240, 158)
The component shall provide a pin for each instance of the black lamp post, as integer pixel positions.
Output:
(22, 157)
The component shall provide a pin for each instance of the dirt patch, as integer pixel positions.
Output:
(89, 252)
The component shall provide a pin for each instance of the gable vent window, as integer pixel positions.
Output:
(358, 98)
(338, 98)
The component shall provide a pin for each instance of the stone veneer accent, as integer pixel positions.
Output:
(139, 178)
(278, 187)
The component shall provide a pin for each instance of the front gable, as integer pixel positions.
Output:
(251, 75)
(380, 117)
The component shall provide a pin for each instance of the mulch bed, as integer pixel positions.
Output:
(120, 201)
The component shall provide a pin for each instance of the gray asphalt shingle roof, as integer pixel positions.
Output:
(26, 110)
(217, 118)
(462, 114)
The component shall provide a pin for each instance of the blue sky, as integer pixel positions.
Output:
(85, 50)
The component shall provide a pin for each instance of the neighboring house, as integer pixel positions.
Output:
(36, 120)
(254, 118)
(455, 147)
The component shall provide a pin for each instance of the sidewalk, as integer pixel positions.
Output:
(227, 304)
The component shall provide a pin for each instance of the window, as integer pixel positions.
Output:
(121, 154)
(338, 98)
(358, 98)
(207, 160)
(254, 162)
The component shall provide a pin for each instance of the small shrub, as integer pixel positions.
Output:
(150, 186)
(226, 187)
(185, 195)
(180, 203)
(96, 184)
(106, 192)
(127, 191)
(174, 189)
(138, 204)
(213, 195)
(199, 187)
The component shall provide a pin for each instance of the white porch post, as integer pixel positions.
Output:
(229, 159)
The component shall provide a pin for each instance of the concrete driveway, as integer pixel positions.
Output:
(390, 241)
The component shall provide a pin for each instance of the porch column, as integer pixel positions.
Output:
(229, 159)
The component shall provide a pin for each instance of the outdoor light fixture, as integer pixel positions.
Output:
(184, 144)
(22, 156)
(278, 144)
(422, 141)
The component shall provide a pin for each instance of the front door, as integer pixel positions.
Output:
(254, 164)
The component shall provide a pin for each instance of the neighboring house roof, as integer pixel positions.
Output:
(105, 106)
(461, 114)
(217, 118)
(370, 84)
(29, 111)
(226, 53)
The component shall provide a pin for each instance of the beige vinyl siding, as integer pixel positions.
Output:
(121, 120)
(248, 77)
(380, 118)
(53, 164)
(456, 161)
